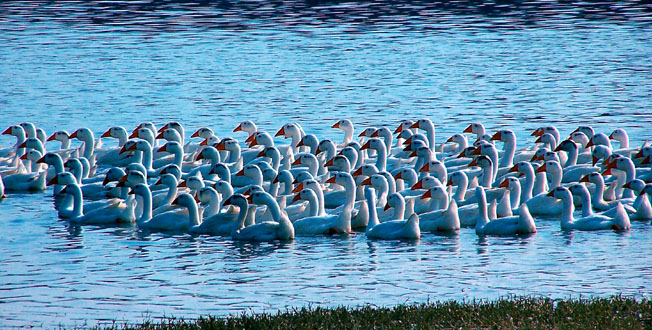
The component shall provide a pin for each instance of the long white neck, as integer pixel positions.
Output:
(78, 203)
(630, 173)
(509, 150)
(586, 203)
(65, 143)
(273, 208)
(483, 217)
(567, 209)
(348, 135)
(597, 198)
(89, 147)
(193, 214)
(462, 185)
(373, 216)
(572, 158)
(555, 179)
(399, 210)
(382, 194)
(236, 151)
(178, 157)
(121, 136)
(381, 160)
(430, 133)
(313, 205)
(541, 183)
(147, 158)
(147, 206)
(242, 215)
(515, 196)
(487, 177)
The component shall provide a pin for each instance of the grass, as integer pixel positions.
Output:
(523, 313)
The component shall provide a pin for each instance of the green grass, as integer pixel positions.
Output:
(523, 313)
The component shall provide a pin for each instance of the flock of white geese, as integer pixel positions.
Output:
(387, 186)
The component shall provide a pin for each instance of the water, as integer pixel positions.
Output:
(64, 65)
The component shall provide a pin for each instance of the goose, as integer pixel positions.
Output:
(21, 182)
(223, 224)
(390, 230)
(460, 143)
(539, 204)
(625, 165)
(347, 126)
(120, 212)
(291, 130)
(508, 226)
(64, 138)
(86, 136)
(246, 126)
(440, 220)
(19, 133)
(396, 202)
(280, 229)
(582, 192)
(475, 128)
(312, 210)
(165, 198)
(330, 224)
(386, 135)
(311, 141)
(65, 206)
(640, 208)
(235, 159)
(405, 179)
(485, 175)
(597, 196)
(167, 221)
(513, 185)
(620, 221)
(437, 168)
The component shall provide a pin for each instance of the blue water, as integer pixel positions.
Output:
(64, 67)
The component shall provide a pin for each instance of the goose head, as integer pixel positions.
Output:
(169, 134)
(113, 132)
(172, 169)
(288, 130)
(237, 200)
(567, 146)
(301, 177)
(587, 130)
(61, 136)
(481, 161)
(504, 135)
(599, 139)
(113, 174)
(366, 170)
(185, 200)
(579, 138)
(426, 182)
(475, 128)
(33, 155)
(167, 180)
(62, 178)
(203, 132)
(368, 132)
(403, 126)
(338, 163)
(635, 185)
(325, 145)
(456, 178)
(171, 147)
(344, 124)
(247, 126)
(311, 141)
(83, 134)
(436, 192)
(305, 194)
(560, 192)
(15, 130)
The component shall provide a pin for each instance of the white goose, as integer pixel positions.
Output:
(280, 229)
(515, 225)
(620, 221)
(122, 212)
(390, 230)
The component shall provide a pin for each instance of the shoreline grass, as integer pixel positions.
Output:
(523, 313)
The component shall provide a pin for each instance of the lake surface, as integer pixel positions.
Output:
(94, 64)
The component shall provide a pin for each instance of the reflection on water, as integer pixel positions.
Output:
(517, 64)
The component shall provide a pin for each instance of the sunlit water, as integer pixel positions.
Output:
(68, 70)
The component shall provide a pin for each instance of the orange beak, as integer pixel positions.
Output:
(541, 168)
(297, 161)
(450, 182)
(363, 133)
(450, 139)
(280, 132)
(204, 143)
(497, 136)
(296, 198)
(238, 129)
(298, 188)
(240, 173)
(55, 180)
(407, 141)
(74, 134)
(41, 160)
(336, 125)
(513, 169)
(639, 154)
(200, 156)
(475, 152)
(7, 131)
(628, 184)
(358, 172)
(123, 179)
(408, 148)
(134, 134)
(585, 179)
(425, 168)
(415, 125)
(551, 193)
(374, 134)
(23, 157)
(163, 128)
(175, 201)
(590, 144)
(474, 162)
(197, 198)
(538, 140)
(469, 129)
(461, 155)
(219, 146)
(261, 153)
(418, 185)
(51, 137)
(646, 160)
(317, 151)
(537, 132)
(104, 135)
(504, 184)
(196, 134)
(413, 154)
(300, 144)
(534, 158)
(253, 142)
(611, 136)
(163, 148)
(23, 145)
(331, 179)
(595, 160)
(160, 135)
(366, 146)
(366, 181)
(427, 194)
(387, 207)
(182, 184)
(158, 182)
(399, 129)
(329, 162)
(250, 199)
